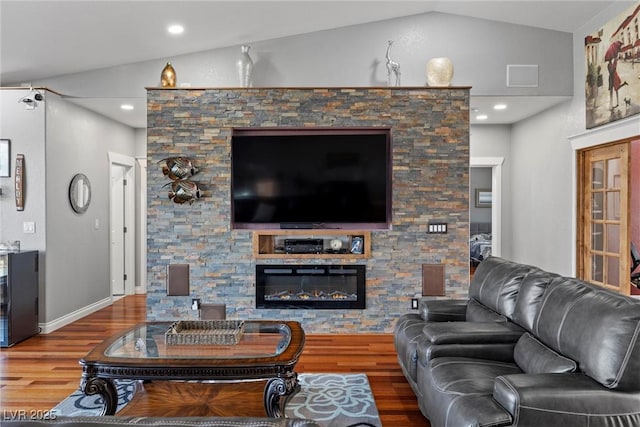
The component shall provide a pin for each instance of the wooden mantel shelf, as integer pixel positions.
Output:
(312, 88)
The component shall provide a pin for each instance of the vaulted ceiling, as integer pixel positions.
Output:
(42, 39)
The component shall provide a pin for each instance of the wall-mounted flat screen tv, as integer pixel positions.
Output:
(311, 178)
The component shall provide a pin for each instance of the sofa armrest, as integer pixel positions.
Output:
(445, 310)
(472, 332)
(564, 399)
(502, 352)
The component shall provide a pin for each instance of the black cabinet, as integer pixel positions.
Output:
(18, 296)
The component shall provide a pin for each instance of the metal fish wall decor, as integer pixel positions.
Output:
(183, 191)
(178, 167)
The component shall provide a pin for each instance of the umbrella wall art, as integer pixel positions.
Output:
(612, 84)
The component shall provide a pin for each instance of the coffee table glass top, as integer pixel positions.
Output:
(147, 341)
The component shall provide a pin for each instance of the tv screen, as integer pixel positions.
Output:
(300, 178)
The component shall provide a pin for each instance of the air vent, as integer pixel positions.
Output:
(522, 75)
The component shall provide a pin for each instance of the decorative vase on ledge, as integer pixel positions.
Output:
(245, 67)
(439, 71)
(168, 76)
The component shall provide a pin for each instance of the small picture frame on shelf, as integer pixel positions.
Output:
(357, 245)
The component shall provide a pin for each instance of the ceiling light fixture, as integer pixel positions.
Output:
(126, 107)
(175, 29)
(482, 117)
(500, 107)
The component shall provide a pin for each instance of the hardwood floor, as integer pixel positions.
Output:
(38, 373)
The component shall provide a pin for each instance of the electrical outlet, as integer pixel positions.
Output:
(195, 304)
(414, 303)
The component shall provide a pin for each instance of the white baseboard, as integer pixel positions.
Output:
(46, 328)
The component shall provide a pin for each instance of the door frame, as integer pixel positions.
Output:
(141, 221)
(581, 179)
(116, 159)
(495, 163)
(602, 135)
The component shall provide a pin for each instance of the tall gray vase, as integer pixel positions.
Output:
(245, 67)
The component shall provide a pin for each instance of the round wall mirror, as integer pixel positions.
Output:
(80, 193)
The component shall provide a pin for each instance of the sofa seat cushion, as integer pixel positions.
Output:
(458, 391)
(461, 375)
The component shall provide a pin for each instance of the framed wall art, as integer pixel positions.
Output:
(612, 58)
(5, 158)
(483, 198)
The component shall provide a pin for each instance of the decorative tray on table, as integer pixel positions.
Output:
(218, 332)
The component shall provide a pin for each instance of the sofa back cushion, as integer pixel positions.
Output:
(529, 298)
(495, 284)
(533, 357)
(597, 328)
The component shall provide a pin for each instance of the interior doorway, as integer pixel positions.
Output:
(495, 163)
(121, 224)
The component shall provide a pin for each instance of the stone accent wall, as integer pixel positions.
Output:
(430, 146)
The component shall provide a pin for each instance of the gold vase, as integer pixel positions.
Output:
(168, 76)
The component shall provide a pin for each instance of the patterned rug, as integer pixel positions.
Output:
(333, 400)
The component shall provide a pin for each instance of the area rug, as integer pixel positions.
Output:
(333, 400)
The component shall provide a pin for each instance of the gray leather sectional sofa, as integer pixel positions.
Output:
(527, 348)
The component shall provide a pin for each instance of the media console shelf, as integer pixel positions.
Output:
(314, 244)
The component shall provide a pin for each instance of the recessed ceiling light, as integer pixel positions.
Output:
(500, 107)
(175, 29)
(482, 117)
(475, 110)
(126, 107)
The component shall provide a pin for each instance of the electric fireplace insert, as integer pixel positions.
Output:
(310, 286)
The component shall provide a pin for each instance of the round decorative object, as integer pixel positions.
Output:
(336, 244)
(439, 72)
(80, 193)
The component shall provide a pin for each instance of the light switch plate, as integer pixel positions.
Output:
(28, 227)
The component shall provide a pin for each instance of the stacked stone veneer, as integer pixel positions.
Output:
(430, 146)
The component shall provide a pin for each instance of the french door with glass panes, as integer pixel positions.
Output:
(603, 247)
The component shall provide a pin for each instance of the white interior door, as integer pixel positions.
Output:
(117, 231)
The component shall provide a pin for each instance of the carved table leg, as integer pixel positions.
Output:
(277, 392)
(106, 389)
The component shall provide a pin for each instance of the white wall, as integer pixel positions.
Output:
(541, 196)
(77, 141)
(355, 56)
(60, 139)
(543, 174)
(26, 130)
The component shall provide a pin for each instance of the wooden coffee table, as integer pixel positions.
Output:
(267, 351)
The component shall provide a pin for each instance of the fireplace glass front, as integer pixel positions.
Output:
(310, 286)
